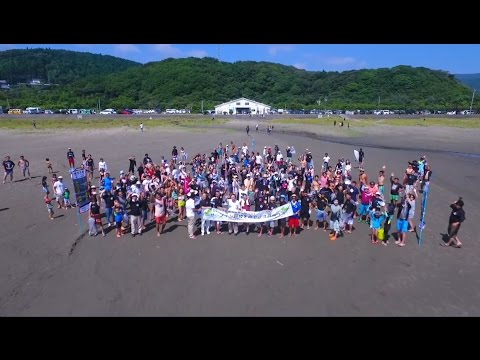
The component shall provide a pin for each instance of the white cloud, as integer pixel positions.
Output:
(126, 48)
(301, 66)
(340, 60)
(168, 50)
(275, 49)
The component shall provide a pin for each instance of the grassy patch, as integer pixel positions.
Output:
(104, 123)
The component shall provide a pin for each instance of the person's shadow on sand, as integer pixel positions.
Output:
(3, 209)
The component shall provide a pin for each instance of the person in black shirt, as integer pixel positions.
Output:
(109, 200)
(90, 166)
(71, 158)
(135, 214)
(146, 159)
(457, 216)
(349, 208)
(8, 165)
(322, 203)
(174, 154)
(217, 203)
(131, 166)
(426, 178)
(361, 156)
(305, 202)
(95, 219)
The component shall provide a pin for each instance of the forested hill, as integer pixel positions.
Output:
(180, 83)
(56, 66)
(184, 83)
(472, 80)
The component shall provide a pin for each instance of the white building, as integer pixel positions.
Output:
(242, 106)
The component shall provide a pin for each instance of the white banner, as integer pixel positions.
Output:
(248, 216)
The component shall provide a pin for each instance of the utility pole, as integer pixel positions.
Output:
(471, 103)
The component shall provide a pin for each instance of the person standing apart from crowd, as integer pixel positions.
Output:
(256, 128)
(190, 211)
(361, 157)
(49, 165)
(141, 127)
(24, 164)
(102, 168)
(71, 158)
(457, 217)
(247, 129)
(8, 165)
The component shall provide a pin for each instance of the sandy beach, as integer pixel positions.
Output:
(50, 268)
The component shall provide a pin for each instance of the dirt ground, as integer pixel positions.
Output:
(221, 275)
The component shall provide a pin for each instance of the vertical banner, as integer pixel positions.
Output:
(79, 178)
(422, 215)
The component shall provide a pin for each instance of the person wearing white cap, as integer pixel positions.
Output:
(190, 211)
(59, 188)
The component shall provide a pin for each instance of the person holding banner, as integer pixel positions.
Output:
(190, 210)
(205, 224)
(233, 205)
(294, 220)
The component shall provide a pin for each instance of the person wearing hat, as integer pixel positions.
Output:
(282, 223)
(294, 220)
(71, 158)
(457, 217)
(135, 214)
(233, 205)
(66, 198)
(59, 188)
(190, 212)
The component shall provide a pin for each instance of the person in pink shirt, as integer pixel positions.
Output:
(365, 200)
(373, 188)
(323, 179)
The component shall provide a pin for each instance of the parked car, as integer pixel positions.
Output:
(108, 112)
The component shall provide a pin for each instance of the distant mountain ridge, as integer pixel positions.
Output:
(57, 66)
(86, 80)
(471, 80)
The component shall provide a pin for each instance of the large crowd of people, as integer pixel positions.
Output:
(235, 178)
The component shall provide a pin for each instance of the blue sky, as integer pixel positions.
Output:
(454, 58)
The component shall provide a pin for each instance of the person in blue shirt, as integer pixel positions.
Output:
(294, 220)
(377, 218)
(107, 182)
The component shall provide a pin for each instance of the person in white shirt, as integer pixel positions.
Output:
(258, 159)
(102, 168)
(326, 160)
(59, 188)
(141, 126)
(233, 205)
(190, 212)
